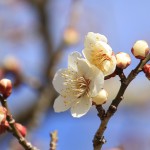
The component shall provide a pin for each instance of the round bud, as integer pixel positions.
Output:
(140, 49)
(11, 64)
(71, 36)
(146, 70)
(21, 129)
(101, 98)
(5, 87)
(123, 60)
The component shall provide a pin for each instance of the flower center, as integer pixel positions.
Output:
(78, 85)
(98, 57)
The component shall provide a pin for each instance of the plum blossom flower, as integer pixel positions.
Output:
(99, 53)
(77, 84)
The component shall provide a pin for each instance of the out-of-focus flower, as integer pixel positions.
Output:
(140, 49)
(11, 64)
(99, 53)
(5, 87)
(21, 129)
(146, 70)
(77, 85)
(71, 36)
(101, 98)
(123, 60)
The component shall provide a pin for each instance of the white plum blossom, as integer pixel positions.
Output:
(99, 53)
(76, 85)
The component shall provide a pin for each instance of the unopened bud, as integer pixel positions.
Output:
(140, 49)
(21, 129)
(101, 98)
(5, 87)
(11, 64)
(123, 60)
(71, 36)
(146, 70)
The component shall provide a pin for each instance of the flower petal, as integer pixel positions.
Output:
(72, 60)
(81, 107)
(92, 38)
(58, 80)
(92, 73)
(110, 66)
(62, 104)
(97, 83)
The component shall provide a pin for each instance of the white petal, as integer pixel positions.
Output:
(92, 73)
(104, 47)
(62, 104)
(81, 107)
(72, 60)
(87, 54)
(84, 68)
(110, 66)
(97, 83)
(58, 80)
(92, 38)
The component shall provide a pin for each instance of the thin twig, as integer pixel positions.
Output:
(12, 128)
(54, 140)
(99, 140)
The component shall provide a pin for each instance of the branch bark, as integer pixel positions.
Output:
(99, 140)
(12, 128)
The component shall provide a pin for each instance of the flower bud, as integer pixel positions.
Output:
(123, 60)
(71, 36)
(146, 70)
(140, 49)
(3, 113)
(5, 87)
(21, 129)
(11, 64)
(101, 98)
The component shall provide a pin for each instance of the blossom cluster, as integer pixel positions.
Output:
(82, 84)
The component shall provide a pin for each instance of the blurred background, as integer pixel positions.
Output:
(36, 37)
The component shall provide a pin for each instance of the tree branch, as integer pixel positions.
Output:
(99, 140)
(12, 128)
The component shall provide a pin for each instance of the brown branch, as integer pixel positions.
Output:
(54, 139)
(12, 128)
(99, 140)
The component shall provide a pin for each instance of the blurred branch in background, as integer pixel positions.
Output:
(47, 93)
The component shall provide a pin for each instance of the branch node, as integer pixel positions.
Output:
(12, 121)
(113, 108)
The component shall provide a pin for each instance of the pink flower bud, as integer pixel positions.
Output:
(101, 98)
(21, 129)
(140, 49)
(146, 70)
(123, 60)
(5, 87)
